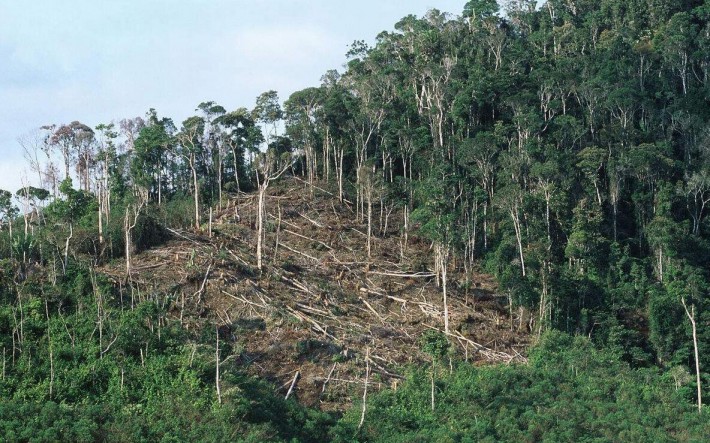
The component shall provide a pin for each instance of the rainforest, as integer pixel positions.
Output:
(490, 225)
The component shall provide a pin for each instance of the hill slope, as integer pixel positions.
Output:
(319, 305)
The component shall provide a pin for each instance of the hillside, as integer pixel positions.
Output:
(503, 216)
(319, 303)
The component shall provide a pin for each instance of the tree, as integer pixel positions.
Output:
(268, 111)
(106, 155)
(30, 197)
(149, 149)
(675, 44)
(134, 206)
(214, 150)
(8, 210)
(241, 135)
(480, 9)
(691, 316)
(189, 147)
(67, 211)
(74, 141)
(372, 187)
(301, 110)
(437, 219)
(511, 201)
(269, 168)
(697, 191)
(436, 345)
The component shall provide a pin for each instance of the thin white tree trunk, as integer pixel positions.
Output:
(197, 192)
(691, 317)
(216, 380)
(364, 394)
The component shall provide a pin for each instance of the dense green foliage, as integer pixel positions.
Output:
(570, 391)
(82, 362)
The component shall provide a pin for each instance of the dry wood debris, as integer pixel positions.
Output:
(319, 302)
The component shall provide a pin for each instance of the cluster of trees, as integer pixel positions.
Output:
(125, 171)
(565, 147)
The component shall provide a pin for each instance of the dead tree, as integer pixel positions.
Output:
(130, 220)
(270, 168)
(370, 189)
(216, 378)
(691, 316)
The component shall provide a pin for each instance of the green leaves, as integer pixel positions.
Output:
(570, 391)
(435, 344)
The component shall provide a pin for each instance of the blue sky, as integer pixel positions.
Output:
(100, 61)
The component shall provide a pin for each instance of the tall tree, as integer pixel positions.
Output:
(190, 148)
(268, 112)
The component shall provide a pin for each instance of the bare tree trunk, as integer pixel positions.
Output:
(51, 352)
(518, 236)
(441, 253)
(432, 385)
(216, 380)
(364, 393)
(485, 225)
(368, 195)
(66, 249)
(197, 192)
(443, 266)
(99, 311)
(219, 178)
(101, 224)
(261, 208)
(260, 224)
(236, 170)
(405, 229)
(127, 241)
(278, 230)
(338, 156)
(691, 317)
(9, 224)
(127, 230)
(160, 186)
(326, 155)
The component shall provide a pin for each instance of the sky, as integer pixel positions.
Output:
(101, 61)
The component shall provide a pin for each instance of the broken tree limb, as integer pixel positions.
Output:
(308, 238)
(181, 235)
(244, 300)
(321, 189)
(204, 283)
(486, 352)
(293, 383)
(303, 317)
(311, 220)
(405, 275)
(377, 314)
(329, 375)
(299, 252)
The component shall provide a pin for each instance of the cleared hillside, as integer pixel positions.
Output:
(319, 305)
